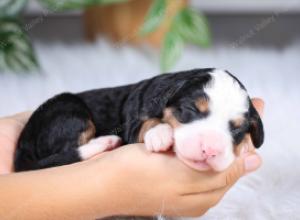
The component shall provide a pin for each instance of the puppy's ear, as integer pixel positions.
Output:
(256, 129)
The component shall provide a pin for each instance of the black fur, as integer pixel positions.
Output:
(255, 127)
(238, 133)
(252, 125)
(51, 136)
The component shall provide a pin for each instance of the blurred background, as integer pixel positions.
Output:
(48, 47)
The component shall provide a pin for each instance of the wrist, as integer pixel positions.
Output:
(108, 187)
(120, 191)
(94, 189)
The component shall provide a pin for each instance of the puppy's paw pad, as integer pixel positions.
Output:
(159, 138)
(109, 142)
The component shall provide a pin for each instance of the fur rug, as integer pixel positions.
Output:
(271, 193)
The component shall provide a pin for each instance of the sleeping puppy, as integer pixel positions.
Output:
(201, 114)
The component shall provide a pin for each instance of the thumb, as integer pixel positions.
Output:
(244, 164)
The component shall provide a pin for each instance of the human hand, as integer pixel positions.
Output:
(145, 183)
(152, 184)
(10, 129)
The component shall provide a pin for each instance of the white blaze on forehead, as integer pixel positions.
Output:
(227, 99)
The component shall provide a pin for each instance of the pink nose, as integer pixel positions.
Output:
(211, 144)
(204, 146)
(208, 152)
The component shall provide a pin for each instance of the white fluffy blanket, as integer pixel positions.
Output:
(271, 193)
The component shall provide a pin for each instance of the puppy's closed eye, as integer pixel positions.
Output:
(238, 128)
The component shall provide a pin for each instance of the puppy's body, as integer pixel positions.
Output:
(59, 131)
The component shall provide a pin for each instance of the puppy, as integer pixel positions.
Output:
(202, 114)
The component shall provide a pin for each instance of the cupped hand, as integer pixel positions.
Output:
(148, 183)
(10, 129)
(152, 184)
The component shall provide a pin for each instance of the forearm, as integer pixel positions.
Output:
(78, 191)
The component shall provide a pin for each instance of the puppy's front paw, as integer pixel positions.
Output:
(159, 138)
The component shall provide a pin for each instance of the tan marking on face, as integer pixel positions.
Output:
(238, 122)
(202, 104)
(88, 134)
(147, 125)
(169, 118)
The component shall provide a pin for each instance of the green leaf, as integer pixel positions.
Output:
(16, 52)
(11, 8)
(171, 50)
(62, 5)
(154, 17)
(193, 27)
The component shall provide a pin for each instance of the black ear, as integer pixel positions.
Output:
(256, 129)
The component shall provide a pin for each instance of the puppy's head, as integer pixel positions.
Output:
(211, 115)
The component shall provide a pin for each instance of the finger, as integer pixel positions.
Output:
(197, 182)
(193, 181)
(259, 105)
(250, 163)
(210, 198)
(203, 201)
(245, 146)
(241, 166)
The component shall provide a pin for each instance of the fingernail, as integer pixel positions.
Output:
(251, 163)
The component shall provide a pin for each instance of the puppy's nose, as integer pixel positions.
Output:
(206, 145)
(212, 145)
(209, 152)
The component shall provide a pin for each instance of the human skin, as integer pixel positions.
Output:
(126, 181)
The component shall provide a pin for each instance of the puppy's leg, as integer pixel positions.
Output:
(53, 133)
(69, 153)
(159, 138)
(99, 145)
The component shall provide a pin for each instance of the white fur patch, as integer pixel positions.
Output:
(159, 138)
(227, 99)
(98, 145)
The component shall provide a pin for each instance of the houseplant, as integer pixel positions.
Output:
(16, 53)
(175, 29)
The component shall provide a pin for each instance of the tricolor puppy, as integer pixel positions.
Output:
(202, 114)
